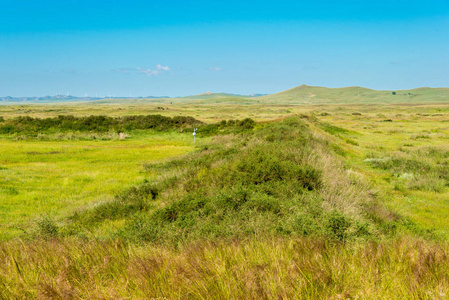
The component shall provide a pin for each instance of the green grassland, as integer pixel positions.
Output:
(347, 200)
(54, 175)
(404, 152)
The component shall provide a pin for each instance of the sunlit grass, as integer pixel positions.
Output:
(406, 268)
(409, 135)
(56, 177)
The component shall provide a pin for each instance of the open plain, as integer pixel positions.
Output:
(276, 199)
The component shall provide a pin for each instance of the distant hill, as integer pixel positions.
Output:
(67, 98)
(303, 94)
(47, 99)
(257, 95)
(321, 95)
(209, 95)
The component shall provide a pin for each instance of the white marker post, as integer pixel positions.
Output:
(194, 134)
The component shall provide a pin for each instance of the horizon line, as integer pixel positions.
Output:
(212, 93)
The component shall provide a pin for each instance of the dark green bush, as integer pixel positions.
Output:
(47, 228)
(247, 123)
(272, 164)
(28, 125)
(332, 129)
(337, 225)
(7, 129)
(226, 127)
(140, 229)
(133, 200)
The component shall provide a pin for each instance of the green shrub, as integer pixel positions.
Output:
(307, 224)
(47, 228)
(29, 125)
(352, 142)
(417, 171)
(337, 225)
(247, 123)
(332, 129)
(272, 164)
(131, 201)
(140, 229)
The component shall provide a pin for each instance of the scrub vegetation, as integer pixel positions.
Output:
(270, 181)
(69, 123)
(302, 202)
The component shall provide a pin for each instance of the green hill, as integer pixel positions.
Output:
(305, 94)
(224, 100)
(355, 95)
(216, 98)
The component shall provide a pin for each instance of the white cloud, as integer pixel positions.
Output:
(163, 68)
(215, 69)
(148, 72)
(145, 71)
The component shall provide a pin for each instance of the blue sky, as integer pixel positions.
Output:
(178, 48)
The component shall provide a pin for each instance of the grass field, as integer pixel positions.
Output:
(256, 269)
(54, 176)
(331, 201)
(403, 151)
(412, 130)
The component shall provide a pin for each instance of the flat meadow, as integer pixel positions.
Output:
(57, 174)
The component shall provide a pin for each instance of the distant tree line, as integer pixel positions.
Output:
(95, 123)
(227, 126)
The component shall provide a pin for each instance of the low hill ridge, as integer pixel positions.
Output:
(210, 95)
(305, 94)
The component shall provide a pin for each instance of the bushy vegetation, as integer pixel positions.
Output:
(266, 182)
(29, 125)
(102, 124)
(422, 169)
(227, 127)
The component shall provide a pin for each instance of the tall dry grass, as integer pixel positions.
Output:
(405, 268)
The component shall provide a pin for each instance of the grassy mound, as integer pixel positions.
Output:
(277, 180)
